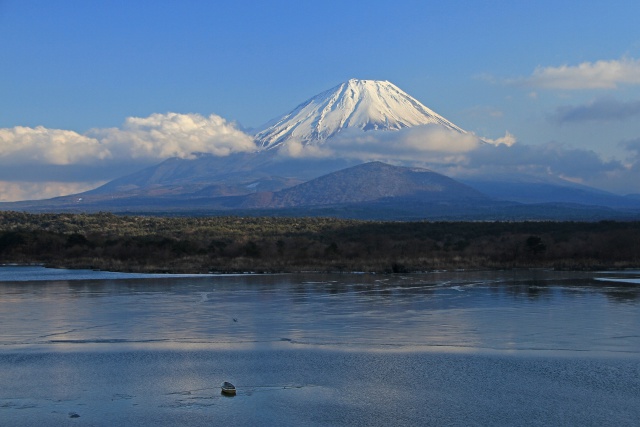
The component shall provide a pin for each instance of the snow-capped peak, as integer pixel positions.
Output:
(361, 104)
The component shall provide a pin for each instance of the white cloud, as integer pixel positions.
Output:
(587, 75)
(508, 139)
(48, 146)
(296, 149)
(602, 109)
(161, 136)
(158, 136)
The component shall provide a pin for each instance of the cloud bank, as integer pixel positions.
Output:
(470, 157)
(587, 75)
(548, 161)
(604, 109)
(40, 162)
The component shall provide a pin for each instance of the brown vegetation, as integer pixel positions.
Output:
(231, 244)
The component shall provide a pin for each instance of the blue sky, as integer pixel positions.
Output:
(555, 75)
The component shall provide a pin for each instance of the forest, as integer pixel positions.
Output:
(104, 241)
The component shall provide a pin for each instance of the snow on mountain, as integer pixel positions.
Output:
(361, 104)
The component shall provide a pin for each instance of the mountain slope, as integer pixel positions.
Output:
(236, 174)
(356, 104)
(365, 183)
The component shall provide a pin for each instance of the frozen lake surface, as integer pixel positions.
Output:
(476, 348)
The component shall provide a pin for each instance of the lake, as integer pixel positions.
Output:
(448, 348)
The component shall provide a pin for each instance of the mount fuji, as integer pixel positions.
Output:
(271, 179)
(368, 105)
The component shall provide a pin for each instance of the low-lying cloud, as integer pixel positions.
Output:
(549, 161)
(587, 75)
(418, 142)
(29, 190)
(633, 147)
(426, 145)
(604, 109)
(470, 157)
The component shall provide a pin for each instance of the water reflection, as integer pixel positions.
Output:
(501, 311)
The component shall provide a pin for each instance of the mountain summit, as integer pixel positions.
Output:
(360, 104)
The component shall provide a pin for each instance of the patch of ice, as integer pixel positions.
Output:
(619, 280)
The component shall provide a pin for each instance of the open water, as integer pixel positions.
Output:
(466, 348)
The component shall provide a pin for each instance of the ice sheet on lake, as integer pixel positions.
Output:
(618, 280)
(470, 312)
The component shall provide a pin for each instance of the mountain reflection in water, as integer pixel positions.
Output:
(463, 312)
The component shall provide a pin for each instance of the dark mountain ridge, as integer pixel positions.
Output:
(366, 183)
(367, 191)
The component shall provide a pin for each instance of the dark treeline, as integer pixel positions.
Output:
(267, 244)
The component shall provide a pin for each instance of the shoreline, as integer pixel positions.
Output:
(604, 269)
(149, 273)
